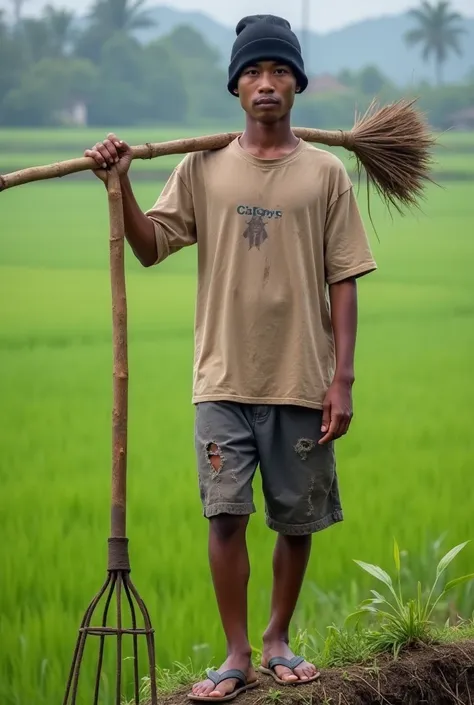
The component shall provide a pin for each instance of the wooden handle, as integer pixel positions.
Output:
(159, 149)
(120, 357)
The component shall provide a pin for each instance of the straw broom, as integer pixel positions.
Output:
(392, 145)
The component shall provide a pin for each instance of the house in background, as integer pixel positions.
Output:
(462, 120)
(325, 83)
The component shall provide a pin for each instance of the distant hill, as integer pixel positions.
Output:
(377, 41)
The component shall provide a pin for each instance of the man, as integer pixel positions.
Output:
(280, 246)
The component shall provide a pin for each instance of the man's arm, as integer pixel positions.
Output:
(139, 229)
(337, 411)
(164, 229)
(347, 256)
(343, 297)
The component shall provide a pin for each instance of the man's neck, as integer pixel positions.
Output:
(268, 141)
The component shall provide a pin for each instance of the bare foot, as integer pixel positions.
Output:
(207, 689)
(279, 648)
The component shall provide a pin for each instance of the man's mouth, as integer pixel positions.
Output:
(266, 101)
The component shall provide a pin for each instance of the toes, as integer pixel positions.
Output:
(307, 672)
(302, 673)
(216, 694)
(287, 675)
(203, 689)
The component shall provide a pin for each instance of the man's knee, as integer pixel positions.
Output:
(298, 541)
(226, 526)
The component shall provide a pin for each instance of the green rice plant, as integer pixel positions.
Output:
(452, 635)
(419, 566)
(343, 647)
(405, 621)
(171, 680)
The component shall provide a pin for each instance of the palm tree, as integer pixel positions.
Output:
(120, 15)
(438, 32)
(17, 10)
(61, 28)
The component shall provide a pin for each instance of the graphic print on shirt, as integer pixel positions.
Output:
(256, 232)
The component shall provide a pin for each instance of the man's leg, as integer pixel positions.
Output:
(227, 459)
(230, 569)
(290, 560)
(301, 492)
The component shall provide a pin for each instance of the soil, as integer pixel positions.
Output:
(425, 675)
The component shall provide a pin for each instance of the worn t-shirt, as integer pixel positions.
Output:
(272, 235)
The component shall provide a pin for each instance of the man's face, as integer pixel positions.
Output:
(267, 91)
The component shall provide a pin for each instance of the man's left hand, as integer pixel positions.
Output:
(337, 412)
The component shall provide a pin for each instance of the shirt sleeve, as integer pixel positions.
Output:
(173, 217)
(347, 249)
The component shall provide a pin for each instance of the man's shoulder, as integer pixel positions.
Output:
(196, 162)
(324, 158)
(329, 167)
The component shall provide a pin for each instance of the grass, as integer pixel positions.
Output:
(405, 467)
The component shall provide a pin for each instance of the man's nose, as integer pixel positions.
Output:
(266, 84)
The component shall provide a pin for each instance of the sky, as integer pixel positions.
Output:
(324, 16)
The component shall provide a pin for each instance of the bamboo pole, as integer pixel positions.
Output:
(120, 356)
(151, 151)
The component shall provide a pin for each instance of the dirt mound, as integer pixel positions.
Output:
(428, 675)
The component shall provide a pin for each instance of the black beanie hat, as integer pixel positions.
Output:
(265, 38)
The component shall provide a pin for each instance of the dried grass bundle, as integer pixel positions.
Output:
(393, 145)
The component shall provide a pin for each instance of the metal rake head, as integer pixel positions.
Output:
(118, 584)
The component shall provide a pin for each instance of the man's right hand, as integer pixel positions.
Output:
(111, 152)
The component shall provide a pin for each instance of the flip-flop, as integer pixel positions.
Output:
(217, 678)
(291, 664)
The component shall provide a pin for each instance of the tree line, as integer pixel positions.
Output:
(50, 64)
(54, 63)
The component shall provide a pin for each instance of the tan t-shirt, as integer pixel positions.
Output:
(271, 235)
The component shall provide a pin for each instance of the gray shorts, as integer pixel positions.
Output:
(299, 477)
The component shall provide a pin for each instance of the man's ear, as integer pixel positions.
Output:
(298, 89)
(236, 91)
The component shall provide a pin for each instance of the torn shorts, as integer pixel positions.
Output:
(299, 478)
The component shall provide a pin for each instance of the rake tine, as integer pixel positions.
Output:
(102, 640)
(136, 679)
(118, 692)
(79, 650)
(150, 642)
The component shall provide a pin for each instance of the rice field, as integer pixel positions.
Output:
(405, 469)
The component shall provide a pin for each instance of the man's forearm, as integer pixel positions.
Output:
(343, 297)
(139, 229)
